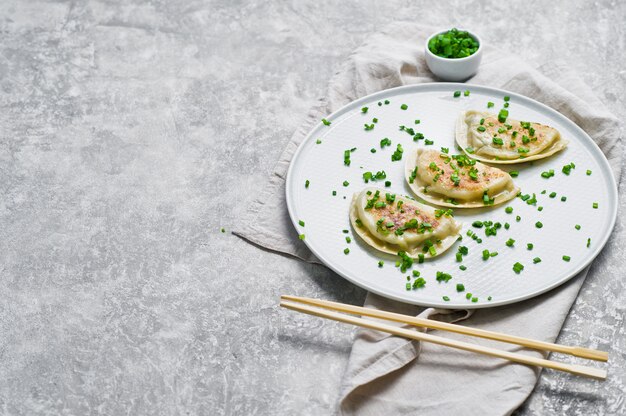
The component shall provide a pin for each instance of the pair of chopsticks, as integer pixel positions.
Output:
(317, 307)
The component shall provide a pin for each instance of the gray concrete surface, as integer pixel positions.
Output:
(132, 131)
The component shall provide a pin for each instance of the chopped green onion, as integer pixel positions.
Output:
(446, 298)
(453, 44)
(326, 122)
(567, 258)
(334, 193)
(595, 205)
(508, 210)
(536, 260)
(481, 128)
(301, 236)
(510, 242)
(462, 267)
(364, 110)
(563, 198)
(514, 173)
(460, 287)
(529, 246)
(346, 250)
(457, 94)
(507, 98)
(518, 267)
(404, 106)
(301, 223)
(577, 226)
(380, 263)
(568, 168)
(318, 141)
(588, 172)
(538, 224)
(346, 183)
(397, 155)
(588, 242)
(443, 277)
(307, 183)
(346, 156)
(466, 93)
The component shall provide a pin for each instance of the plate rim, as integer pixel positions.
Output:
(450, 305)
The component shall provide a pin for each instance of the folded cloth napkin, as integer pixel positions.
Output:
(392, 375)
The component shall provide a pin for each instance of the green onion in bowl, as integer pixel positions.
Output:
(453, 44)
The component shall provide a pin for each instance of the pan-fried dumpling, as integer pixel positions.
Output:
(482, 136)
(392, 223)
(457, 180)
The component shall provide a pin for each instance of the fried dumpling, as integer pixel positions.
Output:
(392, 223)
(457, 180)
(484, 137)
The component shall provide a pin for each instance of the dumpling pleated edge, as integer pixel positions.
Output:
(505, 195)
(461, 140)
(385, 247)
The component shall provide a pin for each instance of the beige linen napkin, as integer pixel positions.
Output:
(391, 375)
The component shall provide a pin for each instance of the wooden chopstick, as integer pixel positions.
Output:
(460, 329)
(580, 370)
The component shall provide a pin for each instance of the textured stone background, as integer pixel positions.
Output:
(132, 131)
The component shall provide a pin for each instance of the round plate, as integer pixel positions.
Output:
(320, 160)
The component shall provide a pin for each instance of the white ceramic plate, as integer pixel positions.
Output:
(326, 216)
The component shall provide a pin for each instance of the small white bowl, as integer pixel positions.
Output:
(454, 69)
